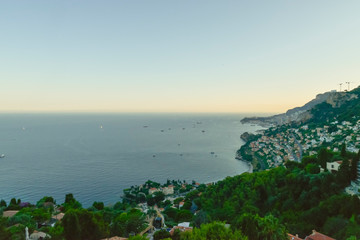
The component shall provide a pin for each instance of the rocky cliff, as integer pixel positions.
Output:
(302, 114)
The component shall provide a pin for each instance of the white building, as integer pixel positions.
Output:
(168, 190)
(333, 166)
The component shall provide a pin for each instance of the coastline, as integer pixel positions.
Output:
(246, 137)
(251, 168)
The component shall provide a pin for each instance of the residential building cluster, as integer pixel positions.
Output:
(278, 145)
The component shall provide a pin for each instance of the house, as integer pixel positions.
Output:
(318, 236)
(168, 190)
(184, 224)
(153, 190)
(181, 204)
(58, 216)
(314, 236)
(39, 235)
(292, 237)
(333, 166)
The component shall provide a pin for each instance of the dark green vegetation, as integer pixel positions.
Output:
(299, 197)
(95, 222)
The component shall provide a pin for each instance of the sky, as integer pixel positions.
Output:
(175, 56)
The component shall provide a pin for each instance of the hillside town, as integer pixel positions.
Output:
(277, 145)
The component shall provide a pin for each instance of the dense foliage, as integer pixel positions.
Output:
(301, 198)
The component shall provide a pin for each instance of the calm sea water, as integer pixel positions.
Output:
(96, 156)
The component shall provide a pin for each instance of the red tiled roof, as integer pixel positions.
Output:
(292, 237)
(318, 236)
(58, 216)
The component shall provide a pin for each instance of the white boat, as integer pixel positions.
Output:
(2, 155)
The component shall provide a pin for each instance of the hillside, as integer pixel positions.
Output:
(303, 113)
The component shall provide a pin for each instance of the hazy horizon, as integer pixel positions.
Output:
(170, 57)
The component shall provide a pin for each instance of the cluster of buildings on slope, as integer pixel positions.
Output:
(278, 146)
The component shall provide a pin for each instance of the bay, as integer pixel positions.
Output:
(96, 156)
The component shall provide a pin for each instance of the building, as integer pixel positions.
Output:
(333, 166)
(184, 224)
(168, 190)
(292, 237)
(153, 190)
(318, 236)
(314, 236)
(39, 235)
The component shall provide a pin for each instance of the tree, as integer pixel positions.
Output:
(2, 203)
(71, 225)
(354, 166)
(213, 231)
(271, 229)
(161, 234)
(335, 227)
(118, 226)
(323, 157)
(343, 150)
(344, 173)
(249, 224)
(176, 235)
(312, 168)
(201, 218)
(69, 198)
(126, 223)
(13, 201)
(40, 215)
(70, 202)
(57, 232)
(184, 216)
(98, 205)
(45, 199)
(4, 232)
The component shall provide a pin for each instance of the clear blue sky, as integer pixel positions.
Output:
(175, 56)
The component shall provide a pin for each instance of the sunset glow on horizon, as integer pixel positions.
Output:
(175, 56)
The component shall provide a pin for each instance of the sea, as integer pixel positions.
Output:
(96, 156)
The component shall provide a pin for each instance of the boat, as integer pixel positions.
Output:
(2, 155)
